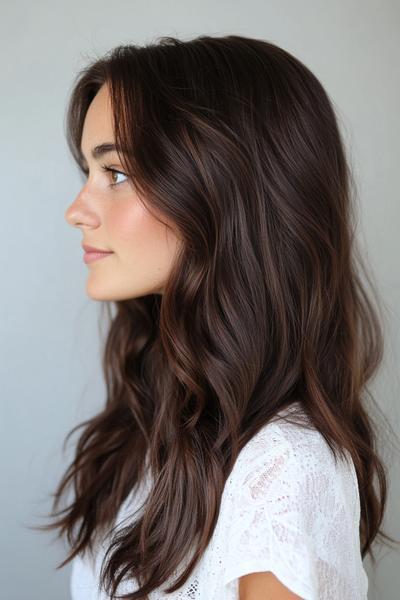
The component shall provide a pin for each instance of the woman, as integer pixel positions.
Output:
(235, 456)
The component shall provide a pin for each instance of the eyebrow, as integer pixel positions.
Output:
(99, 151)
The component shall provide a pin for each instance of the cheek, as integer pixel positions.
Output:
(127, 223)
(138, 237)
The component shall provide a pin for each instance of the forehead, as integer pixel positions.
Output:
(98, 125)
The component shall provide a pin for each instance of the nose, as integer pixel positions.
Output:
(78, 214)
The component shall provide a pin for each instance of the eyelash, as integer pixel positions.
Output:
(108, 169)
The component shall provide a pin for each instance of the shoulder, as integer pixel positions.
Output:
(284, 454)
(289, 469)
(288, 499)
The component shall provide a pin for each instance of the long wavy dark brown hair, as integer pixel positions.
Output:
(235, 142)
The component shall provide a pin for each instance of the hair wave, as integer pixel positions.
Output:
(234, 142)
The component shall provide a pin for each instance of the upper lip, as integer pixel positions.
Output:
(91, 249)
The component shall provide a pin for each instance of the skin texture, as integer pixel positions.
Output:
(114, 219)
(264, 586)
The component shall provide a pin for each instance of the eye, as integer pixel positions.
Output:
(109, 169)
(85, 171)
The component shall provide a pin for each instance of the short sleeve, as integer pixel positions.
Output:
(287, 513)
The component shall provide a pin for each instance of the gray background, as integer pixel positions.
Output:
(50, 371)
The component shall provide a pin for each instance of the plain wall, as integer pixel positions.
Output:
(50, 368)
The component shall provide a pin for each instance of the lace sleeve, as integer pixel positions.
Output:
(293, 515)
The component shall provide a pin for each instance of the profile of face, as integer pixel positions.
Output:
(113, 219)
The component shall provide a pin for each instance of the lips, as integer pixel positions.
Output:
(92, 249)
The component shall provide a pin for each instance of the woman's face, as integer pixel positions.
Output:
(114, 219)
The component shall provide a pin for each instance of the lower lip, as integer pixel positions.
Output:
(91, 256)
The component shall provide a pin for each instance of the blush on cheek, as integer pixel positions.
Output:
(127, 222)
(132, 228)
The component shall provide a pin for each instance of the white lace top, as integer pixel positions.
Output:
(285, 508)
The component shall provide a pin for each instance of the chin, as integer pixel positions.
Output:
(99, 293)
(108, 295)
